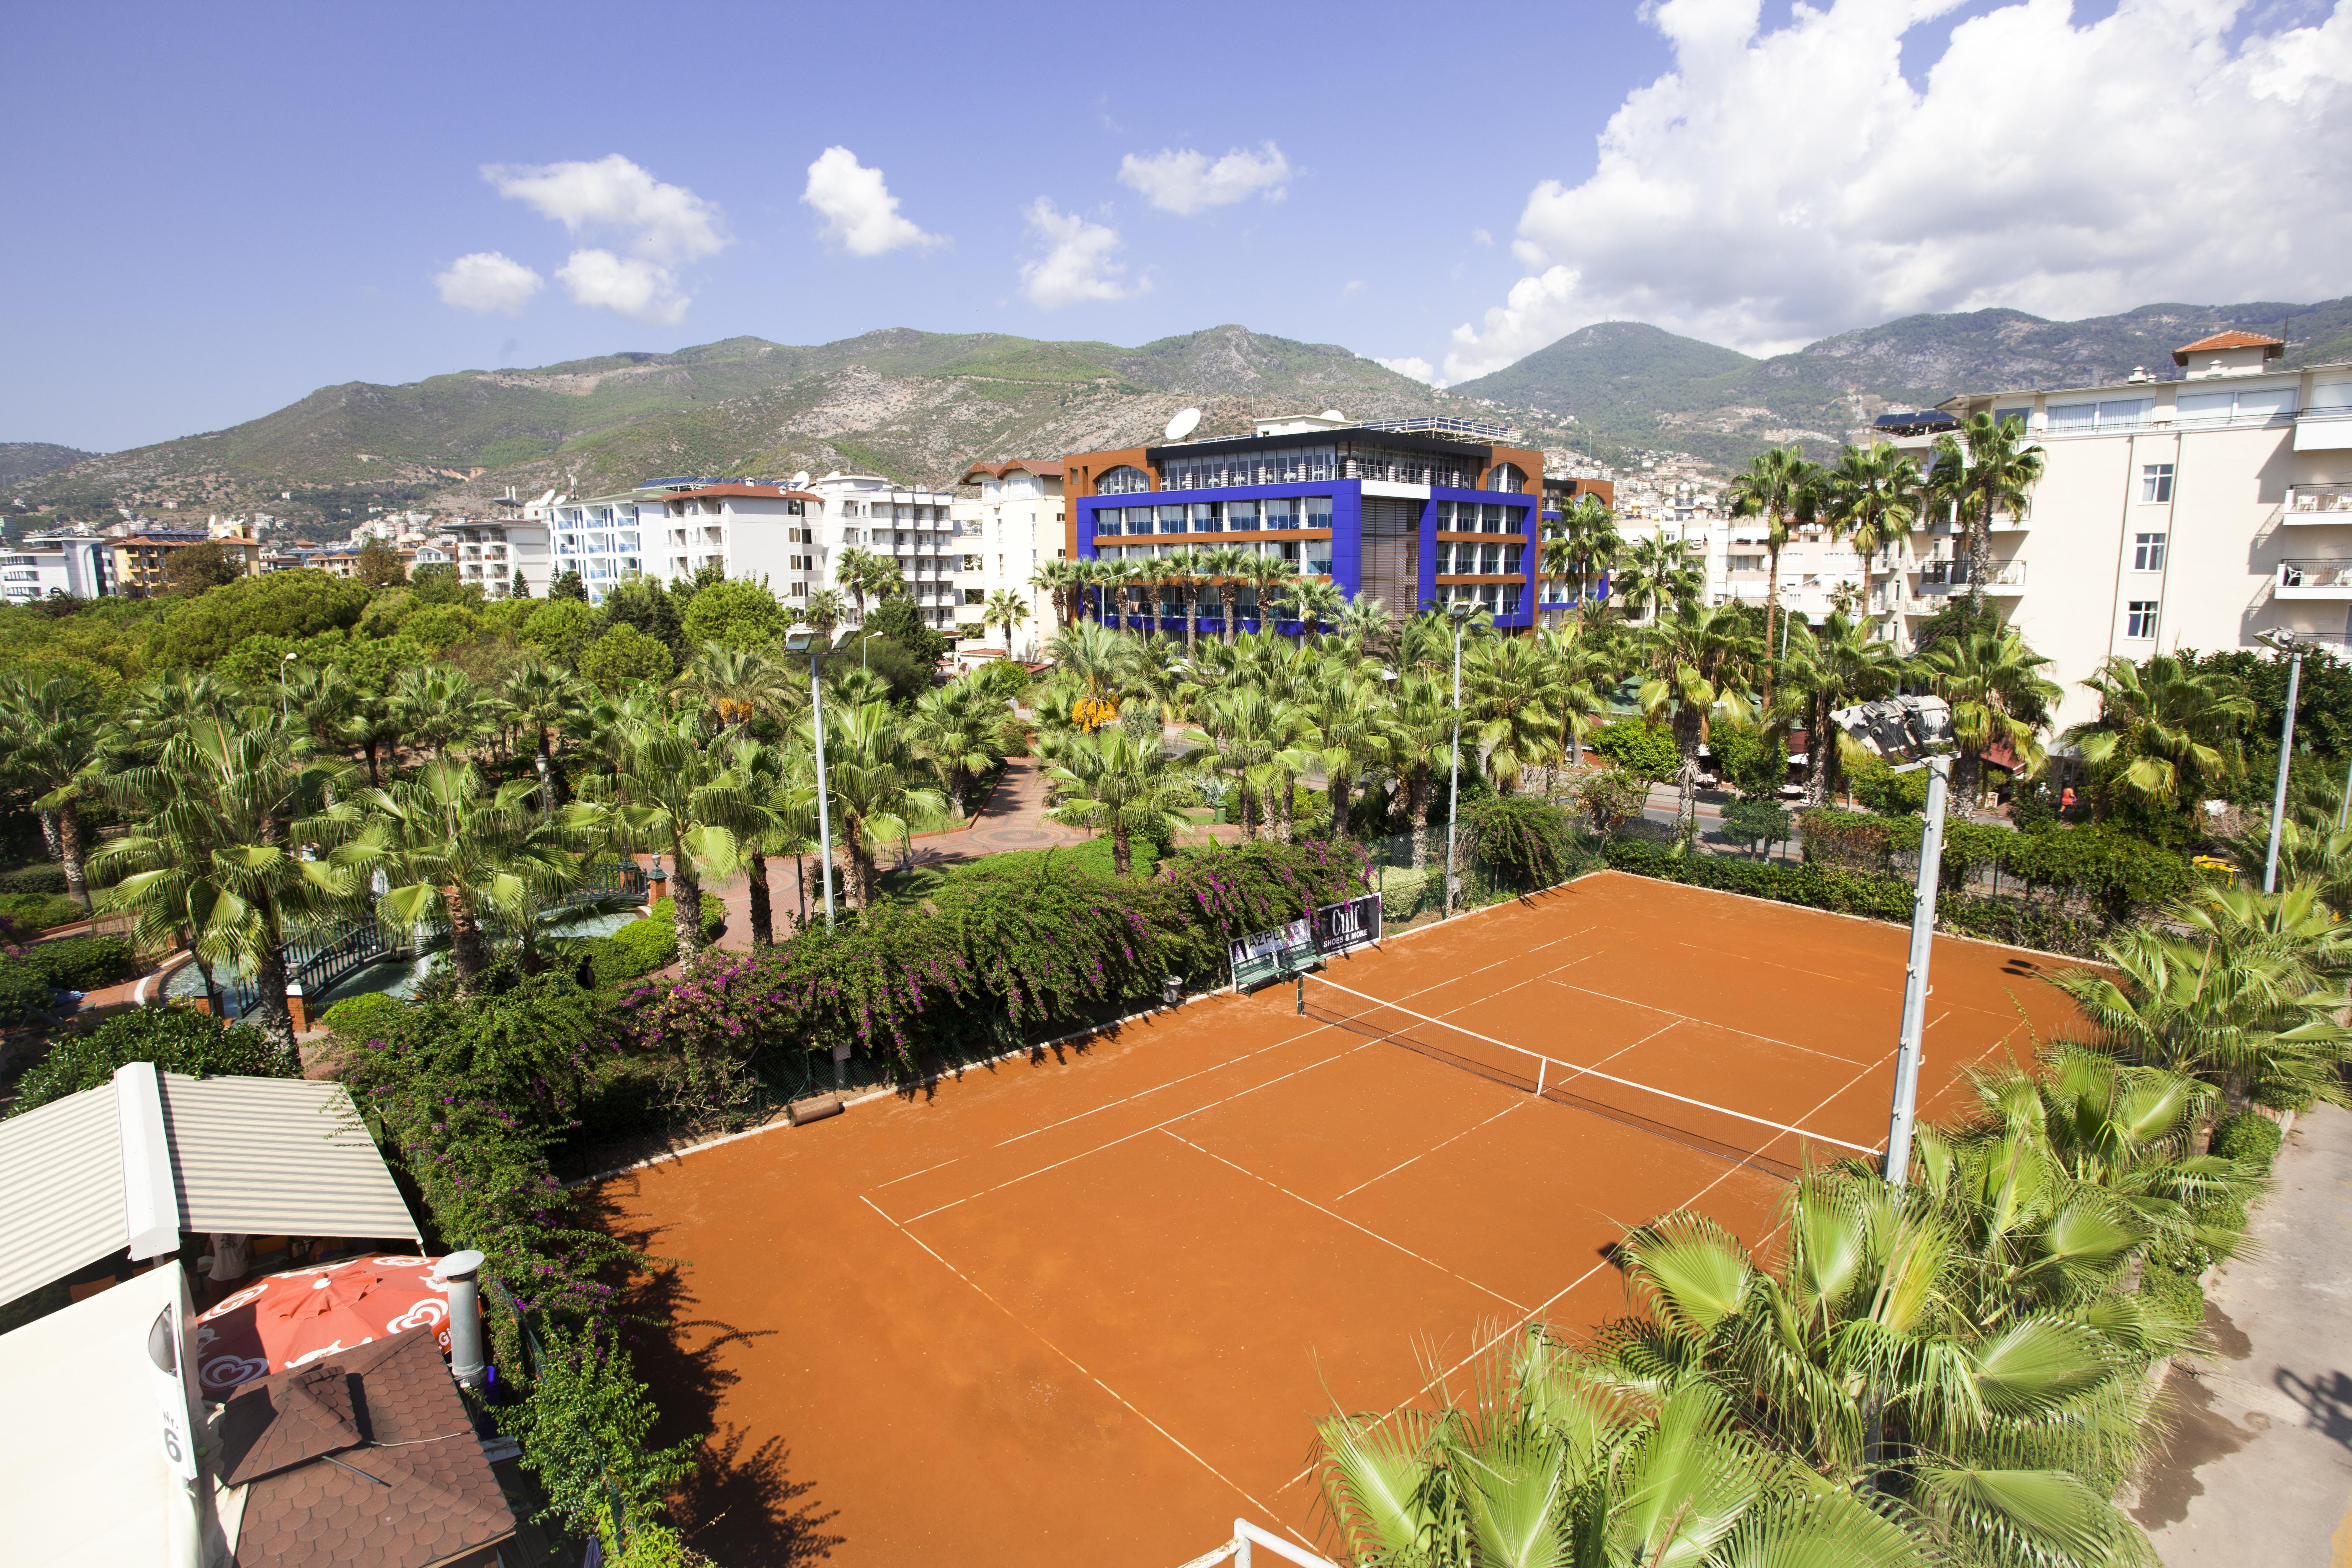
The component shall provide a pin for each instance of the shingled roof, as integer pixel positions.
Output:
(366, 1459)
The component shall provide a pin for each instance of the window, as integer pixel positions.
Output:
(971, 563)
(975, 596)
(2148, 552)
(2023, 415)
(1123, 481)
(1507, 478)
(2155, 485)
(2139, 621)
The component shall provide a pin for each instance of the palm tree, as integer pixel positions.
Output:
(1835, 666)
(541, 697)
(1585, 542)
(1262, 744)
(781, 780)
(1365, 626)
(52, 745)
(1350, 716)
(439, 707)
(1510, 689)
(1117, 780)
(324, 698)
(1784, 488)
(1698, 661)
(1659, 570)
(456, 852)
(668, 793)
(954, 727)
(1582, 669)
(1873, 498)
(1316, 601)
(1997, 694)
(1270, 577)
(1224, 566)
(2166, 732)
(826, 610)
(735, 685)
(1060, 578)
(1419, 736)
(871, 774)
(1984, 470)
(1007, 610)
(238, 848)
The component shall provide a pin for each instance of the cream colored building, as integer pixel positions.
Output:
(2188, 513)
(1002, 538)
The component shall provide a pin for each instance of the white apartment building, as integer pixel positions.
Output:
(1015, 527)
(77, 564)
(488, 552)
(2188, 513)
(869, 512)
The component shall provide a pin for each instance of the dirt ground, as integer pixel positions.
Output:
(1088, 1305)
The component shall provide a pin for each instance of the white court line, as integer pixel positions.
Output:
(981, 1290)
(1139, 1133)
(1433, 1149)
(1343, 1219)
(1710, 1023)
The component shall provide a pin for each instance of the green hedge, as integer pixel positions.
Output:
(2249, 1136)
(23, 994)
(39, 912)
(176, 1039)
(47, 878)
(1639, 748)
(82, 962)
(1527, 842)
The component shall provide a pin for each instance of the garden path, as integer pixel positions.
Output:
(2260, 1466)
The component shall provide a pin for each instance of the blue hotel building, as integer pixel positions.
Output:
(1411, 513)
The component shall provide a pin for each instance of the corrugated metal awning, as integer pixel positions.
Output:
(60, 1190)
(260, 1156)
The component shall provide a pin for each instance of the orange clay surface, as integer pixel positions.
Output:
(1088, 1307)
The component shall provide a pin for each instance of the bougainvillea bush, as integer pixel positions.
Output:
(994, 956)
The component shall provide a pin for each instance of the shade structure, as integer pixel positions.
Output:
(293, 1319)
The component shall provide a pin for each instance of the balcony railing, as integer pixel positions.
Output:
(2307, 504)
(2314, 579)
(1952, 576)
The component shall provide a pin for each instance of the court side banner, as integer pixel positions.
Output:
(1355, 923)
(1269, 954)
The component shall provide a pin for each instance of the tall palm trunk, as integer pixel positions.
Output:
(1821, 745)
(764, 929)
(70, 851)
(1192, 614)
(1338, 793)
(49, 835)
(466, 955)
(1771, 614)
(1979, 556)
(269, 981)
(1121, 850)
(1416, 806)
(686, 911)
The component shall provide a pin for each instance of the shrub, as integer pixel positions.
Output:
(2103, 864)
(1814, 887)
(39, 912)
(714, 914)
(176, 1039)
(82, 962)
(1873, 783)
(1642, 749)
(641, 946)
(1013, 736)
(23, 994)
(1755, 822)
(586, 1431)
(1613, 797)
(2174, 1293)
(2249, 1137)
(370, 1015)
(1747, 760)
(1527, 842)
(47, 878)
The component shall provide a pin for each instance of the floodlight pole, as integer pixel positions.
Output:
(1915, 978)
(2286, 749)
(824, 817)
(1453, 784)
(2345, 810)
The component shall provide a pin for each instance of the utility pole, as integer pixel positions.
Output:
(1460, 611)
(2286, 752)
(1915, 978)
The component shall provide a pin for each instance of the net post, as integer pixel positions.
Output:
(1915, 978)
(1302, 993)
(1241, 1543)
(1543, 1065)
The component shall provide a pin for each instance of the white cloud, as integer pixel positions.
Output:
(625, 285)
(1077, 264)
(486, 281)
(1481, 236)
(1188, 183)
(860, 214)
(2162, 152)
(1412, 365)
(1352, 287)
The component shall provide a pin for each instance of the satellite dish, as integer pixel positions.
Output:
(1186, 421)
(1334, 416)
(801, 480)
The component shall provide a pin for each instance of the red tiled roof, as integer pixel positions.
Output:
(2272, 347)
(1043, 468)
(757, 492)
(366, 1459)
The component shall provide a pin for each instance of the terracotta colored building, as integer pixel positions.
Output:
(1409, 513)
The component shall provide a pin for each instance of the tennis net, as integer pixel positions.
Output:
(1778, 1148)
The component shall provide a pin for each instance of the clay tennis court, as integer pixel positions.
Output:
(1088, 1307)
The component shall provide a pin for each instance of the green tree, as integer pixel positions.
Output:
(1584, 542)
(668, 793)
(192, 568)
(826, 610)
(624, 656)
(1831, 667)
(956, 728)
(897, 618)
(379, 565)
(1785, 489)
(1985, 470)
(1122, 782)
(561, 629)
(198, 632)
(458, 854)
(736, 614)
(175, 1039)
(568, 584)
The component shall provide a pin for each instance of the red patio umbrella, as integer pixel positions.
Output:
(289, 1319)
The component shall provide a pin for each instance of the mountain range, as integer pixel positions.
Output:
(920, 407)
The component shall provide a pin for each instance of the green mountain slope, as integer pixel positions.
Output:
(1646, 387)
(22, 460)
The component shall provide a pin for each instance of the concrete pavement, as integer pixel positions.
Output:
(2259, 1469)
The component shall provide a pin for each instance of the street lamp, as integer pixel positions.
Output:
(2285, 643)
(1459, 610)
(808, 640)
(281, 684)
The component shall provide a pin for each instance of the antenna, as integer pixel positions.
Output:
(1186, 421)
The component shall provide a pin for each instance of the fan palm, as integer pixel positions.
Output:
(873, 785)
(1262, 744)
(1510, 693)
(440, 707)
(826, 610)
(52, 746)
(1985, 468)
(1697, 662)
(954, 727)
(1835, 666)
(668, 793)
(2167, 730)
(1997, 694)
(1120, 782)
(1584, 668)
(1007, 610)
(542, 698)
(780, 780)
(238, 848)
(1784, 487)
(733, 686)
(1365, 626)
(1419, 735)
(1316, 601)
(1872, 498)
(1586, 541)
(1350, 715)
(1658, 571)
(455, 853)
(1272, 580)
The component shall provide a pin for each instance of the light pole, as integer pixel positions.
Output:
(1460, 611)
(2285, 642)
(1914, 976)
(801, 639)
(281, 684)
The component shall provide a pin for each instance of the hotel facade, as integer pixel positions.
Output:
(1412, 513)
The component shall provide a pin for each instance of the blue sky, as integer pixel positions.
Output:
(220, 209)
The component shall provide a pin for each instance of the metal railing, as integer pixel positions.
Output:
(2303, 500)
(1946, 576)
(2314, 574)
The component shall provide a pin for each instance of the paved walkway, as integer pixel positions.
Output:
(2259, 1468)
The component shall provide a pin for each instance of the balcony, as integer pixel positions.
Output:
(2317, 506)
(2006, 580)
(2323, 429)
(2313, 580)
